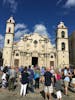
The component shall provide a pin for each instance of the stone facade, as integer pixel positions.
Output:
(36, 49)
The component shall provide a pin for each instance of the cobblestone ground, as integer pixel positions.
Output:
(14, 95)
(38, 94)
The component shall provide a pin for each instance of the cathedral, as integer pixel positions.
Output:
(35, 49)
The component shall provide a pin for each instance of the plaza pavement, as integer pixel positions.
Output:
(37, 95)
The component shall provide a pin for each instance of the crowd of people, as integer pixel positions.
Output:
(31, 77)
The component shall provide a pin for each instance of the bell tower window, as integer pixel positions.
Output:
(10, 21)
(63, 46)
(8, 41)
(62, 34)
(9, 30)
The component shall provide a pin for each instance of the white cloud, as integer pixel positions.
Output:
(58, 2)
(12, 4)
(20, 30)
(1, 41)
(20, 26)
(20, 33)
(70, 3)
(67, 4)
(41, 29)
(1, 37)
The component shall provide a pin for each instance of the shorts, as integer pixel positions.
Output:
(48, 89)
(59, 95)
(66, 83)
(73, 81)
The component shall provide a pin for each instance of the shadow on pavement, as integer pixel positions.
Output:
(42, 94)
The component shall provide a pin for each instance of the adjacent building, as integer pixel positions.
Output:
(72, 49)
(35, 49)
(1, 60)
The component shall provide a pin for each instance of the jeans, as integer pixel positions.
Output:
(31, 86)
(37, 83)
(11, 84)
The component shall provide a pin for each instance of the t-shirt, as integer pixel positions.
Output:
(48, 77)
(12, 73)
(31, 74)
(67, 79)
(65, 72)
(4, 76)
(42, 71)
(24, 78)
(58, 76)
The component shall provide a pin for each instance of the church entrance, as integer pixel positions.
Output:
(52, 63)
(34, 61)
(16, 62)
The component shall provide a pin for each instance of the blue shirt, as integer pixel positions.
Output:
(31, 74)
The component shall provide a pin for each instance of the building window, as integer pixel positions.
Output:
(35, 42)
(63, 46)
(9, 30)
(51, 56)
(52, 63)
(8, 41)
(10, 21)
(17, 54)
(63, 34)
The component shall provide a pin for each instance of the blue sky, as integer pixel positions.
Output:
(41, 16)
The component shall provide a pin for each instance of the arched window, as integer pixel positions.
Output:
(63, 46)
(17, 54)
(35, 42)
(8, 41)
(9, 30)
(10, 20)
(62, 34)
(51, 56)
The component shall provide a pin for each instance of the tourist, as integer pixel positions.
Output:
(31, 76)
(36, 77)
(12, 78)
(21, 69)
(66, 81)
(73, 79)
(4, 81)
(24, 82)
(1, 68)
(53, 74)
(58, 85)
(48, 88)
(42, 71)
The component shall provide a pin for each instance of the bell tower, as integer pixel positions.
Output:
(62, 45)
(8, 43)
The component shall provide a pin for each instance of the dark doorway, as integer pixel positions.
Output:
(51, 63)
(34, 61)
(16, 62)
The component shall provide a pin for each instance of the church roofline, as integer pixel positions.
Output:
(61, 25)
(11, 20)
